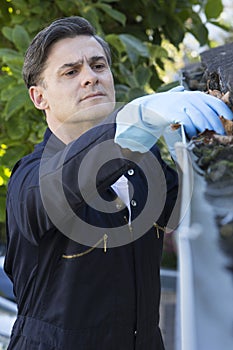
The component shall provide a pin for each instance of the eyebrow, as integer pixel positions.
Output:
(91, 60)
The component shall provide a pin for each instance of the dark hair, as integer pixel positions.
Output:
(38, 51)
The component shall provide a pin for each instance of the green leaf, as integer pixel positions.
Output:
(38, 10)
(118, 16)
(157, 18)
(168, 86)
(157, 51)
(155, 80)
(225, 27)
(136, 92)
(2, 209)
(5, 81)
(17, 128)
(121, 93)
(213, 8)
(93, 16)
(15, 103)
(174, 29)
(13, 154)
(198, 29)
(134, 47)
(11, 91)
(129, 78)
(20, 38)
(143, 75)
(8, 54)
(8, 33)
(201, 33)
(137, 45)
(114, 40)
(109, 1)
(67, 5)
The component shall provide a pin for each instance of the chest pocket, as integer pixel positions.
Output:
(102, 241)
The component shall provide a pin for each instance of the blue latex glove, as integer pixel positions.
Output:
(142, 121)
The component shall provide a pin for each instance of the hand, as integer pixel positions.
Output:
(142, 121)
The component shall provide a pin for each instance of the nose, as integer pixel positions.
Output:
(89, 77)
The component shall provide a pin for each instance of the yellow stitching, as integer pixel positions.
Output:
(104, 238)
(105, 242)
(157, 227)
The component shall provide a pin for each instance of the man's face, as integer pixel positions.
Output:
(77, 83)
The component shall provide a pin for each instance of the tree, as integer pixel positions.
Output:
(135, 31)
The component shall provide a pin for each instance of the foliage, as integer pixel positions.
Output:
(135, 31)
(169, 256)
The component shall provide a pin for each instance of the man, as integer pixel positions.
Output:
(85, 216)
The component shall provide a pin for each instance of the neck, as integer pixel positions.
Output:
(70, 132)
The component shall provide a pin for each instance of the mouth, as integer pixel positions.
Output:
(92, 96)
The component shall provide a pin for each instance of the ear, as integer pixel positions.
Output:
(37, 96)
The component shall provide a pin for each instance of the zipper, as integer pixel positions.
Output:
(78, 255)
(129, 225)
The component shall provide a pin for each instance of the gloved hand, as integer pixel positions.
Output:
(142, 121)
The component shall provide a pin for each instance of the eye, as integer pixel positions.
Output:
(99, 66)
(71, 72)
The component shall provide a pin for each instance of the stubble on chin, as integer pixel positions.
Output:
(94, 113)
